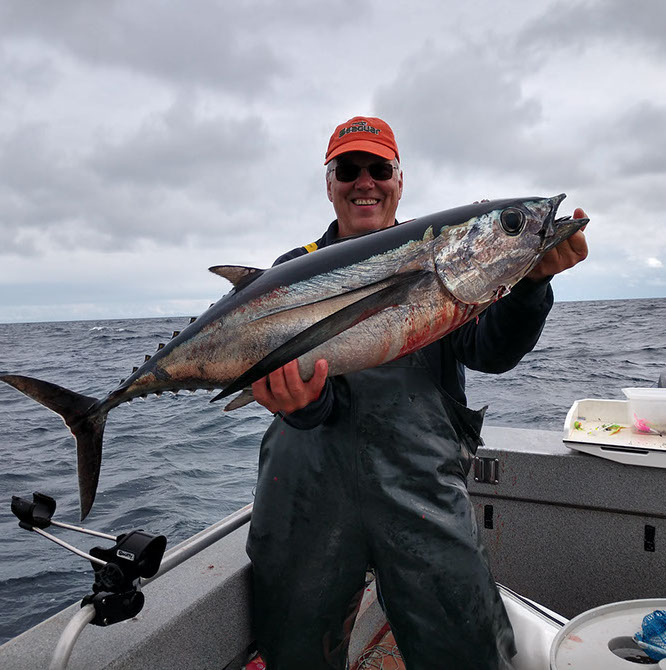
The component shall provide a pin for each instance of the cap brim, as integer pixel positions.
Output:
(362, 145)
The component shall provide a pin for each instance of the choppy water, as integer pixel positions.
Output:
(176, 464)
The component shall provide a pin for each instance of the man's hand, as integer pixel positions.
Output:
(284, 390)
(565, 255)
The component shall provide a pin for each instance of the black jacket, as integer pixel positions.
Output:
(495, 342)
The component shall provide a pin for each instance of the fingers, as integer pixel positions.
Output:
(284, 390)
(316, 385)
(580, 214)
(565, 255)
(568, 253)
(578, 246)
(320, 374)
(286, 382)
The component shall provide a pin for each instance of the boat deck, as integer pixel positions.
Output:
(381, 654)
(384, 654)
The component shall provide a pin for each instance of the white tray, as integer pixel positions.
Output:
(588, 428)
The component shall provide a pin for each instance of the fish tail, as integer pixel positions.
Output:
(85, 420)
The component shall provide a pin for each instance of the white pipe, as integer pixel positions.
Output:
(69, 637)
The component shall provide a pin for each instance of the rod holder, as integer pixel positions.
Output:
(35, 514)
(118, 569)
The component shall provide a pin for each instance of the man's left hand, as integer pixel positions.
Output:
(565, 255)
(284, 390)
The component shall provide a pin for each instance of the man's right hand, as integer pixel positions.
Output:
(284, 391)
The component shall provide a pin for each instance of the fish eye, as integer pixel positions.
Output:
(512, 220)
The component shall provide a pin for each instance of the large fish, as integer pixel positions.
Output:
(358, 303)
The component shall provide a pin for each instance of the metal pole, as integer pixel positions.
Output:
(87, 531)
(67, 545)
(201, 540)
(69, 637)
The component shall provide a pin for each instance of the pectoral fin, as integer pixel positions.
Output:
(242, 399)
(395, 293)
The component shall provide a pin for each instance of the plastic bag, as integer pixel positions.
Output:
(652, 636)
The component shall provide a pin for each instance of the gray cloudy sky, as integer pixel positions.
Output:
(141, 142)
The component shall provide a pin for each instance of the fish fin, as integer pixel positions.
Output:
(327, 328)
(84, 421)
(245, 397)
(238, 275)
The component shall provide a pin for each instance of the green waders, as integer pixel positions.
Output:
(381, 483)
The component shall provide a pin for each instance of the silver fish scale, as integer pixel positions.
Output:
(362, 275)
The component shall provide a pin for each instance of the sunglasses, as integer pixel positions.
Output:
(346, 171)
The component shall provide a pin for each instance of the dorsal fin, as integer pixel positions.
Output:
(238, 275)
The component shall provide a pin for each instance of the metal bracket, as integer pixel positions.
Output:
(486, 470)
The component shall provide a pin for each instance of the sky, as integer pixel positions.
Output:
(143, 142)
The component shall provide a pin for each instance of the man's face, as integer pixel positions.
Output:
(363, 204)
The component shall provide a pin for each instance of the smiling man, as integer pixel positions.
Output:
(365, 184)
(368, 470)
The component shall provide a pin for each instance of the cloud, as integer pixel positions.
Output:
(30, 75)
(142, 142)
(639, 138)
(472, 114)
(180, 149)
(176, 168)
(34, 180)
(157, 39)
(578, 25)
(460, 108)
(521, 104)
(234, 47)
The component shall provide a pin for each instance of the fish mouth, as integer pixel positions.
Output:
(555, 230)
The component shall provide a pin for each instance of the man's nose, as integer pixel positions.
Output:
(364, 179)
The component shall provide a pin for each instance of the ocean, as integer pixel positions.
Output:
(176, 464)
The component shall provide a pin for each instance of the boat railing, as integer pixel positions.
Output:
(172, 558)
(202, 540)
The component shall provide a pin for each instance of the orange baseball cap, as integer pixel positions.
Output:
(363, 133)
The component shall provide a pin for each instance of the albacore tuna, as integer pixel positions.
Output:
(358, 303)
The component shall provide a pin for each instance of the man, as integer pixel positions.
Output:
(369, 469)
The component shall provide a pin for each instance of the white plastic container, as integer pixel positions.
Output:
(647, 409)
(602, 638)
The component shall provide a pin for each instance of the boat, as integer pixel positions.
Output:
(197, 614)
(568, 535)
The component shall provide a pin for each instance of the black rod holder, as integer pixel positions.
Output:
(118, 569)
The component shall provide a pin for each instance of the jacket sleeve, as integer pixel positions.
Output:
(315, 413)
(506, 331)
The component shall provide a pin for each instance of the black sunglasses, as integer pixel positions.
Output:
(346, 171)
